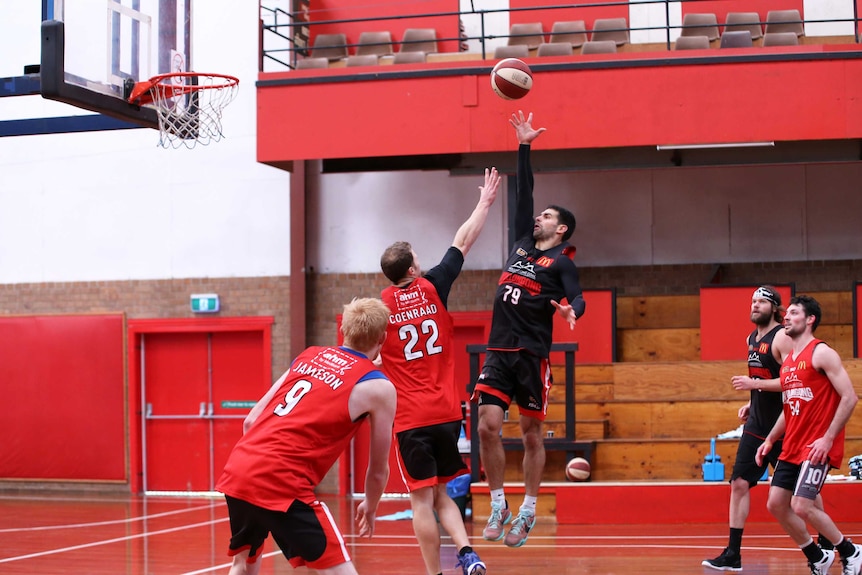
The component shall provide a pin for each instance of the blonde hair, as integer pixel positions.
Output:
(364, 322)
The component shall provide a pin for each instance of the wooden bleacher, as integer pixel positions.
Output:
(652, 414)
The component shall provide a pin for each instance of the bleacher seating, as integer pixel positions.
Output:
(377, 43)
(530, 34)
(555, 49)
(612, 29)
(419, 40)
(736, 39)
(691, 43)
(311, 63)
(780, 39)
(599, 47)
(705, 24)
(572, 31)
(784, 21)
(513, 51)
(744, 21)
(330, 46)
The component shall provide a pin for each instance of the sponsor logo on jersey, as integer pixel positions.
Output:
(764, 348)
(544, 261)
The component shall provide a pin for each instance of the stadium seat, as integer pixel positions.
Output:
(516, 51)
(311, 63)
(599, 47)
(780, 39)
(419, 40)
(744, 21)
(784, 21)
(700, 25)
(613, 29)
(555, 49)
(736, 39)
(377, 43)
(330, 46)
(409, 58)
(362, 60)
(530, 35)
(692, 43)
(572, 31)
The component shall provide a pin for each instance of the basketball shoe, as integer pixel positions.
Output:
(521, 527)
(727, 561)
(822, 566)
(500, 516)
(471, 564)
(852, 565)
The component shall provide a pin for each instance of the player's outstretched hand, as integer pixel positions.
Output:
(567, 312)
(524, 127)
(365, 520)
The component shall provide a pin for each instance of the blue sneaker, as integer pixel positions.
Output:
(471, 564)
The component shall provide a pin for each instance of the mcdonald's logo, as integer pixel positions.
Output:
(764, 348)
(800, 365)
(544, 261)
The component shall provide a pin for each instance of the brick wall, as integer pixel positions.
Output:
(474, 290)
(267, 296)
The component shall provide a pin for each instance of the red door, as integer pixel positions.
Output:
(196, 390)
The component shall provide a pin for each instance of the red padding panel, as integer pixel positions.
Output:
(62, 416)
(725, 319)
(594, 332)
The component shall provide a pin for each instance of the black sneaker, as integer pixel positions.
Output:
(727, 561)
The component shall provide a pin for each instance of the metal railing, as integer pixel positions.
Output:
(285, 35)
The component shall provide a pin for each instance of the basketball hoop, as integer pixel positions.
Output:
(189, 105)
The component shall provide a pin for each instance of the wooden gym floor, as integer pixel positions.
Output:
(108, 534)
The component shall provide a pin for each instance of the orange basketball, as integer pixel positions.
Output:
(511, 79)
(578, 469)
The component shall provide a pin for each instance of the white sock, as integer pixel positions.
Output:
(530, 503)
(498, 497)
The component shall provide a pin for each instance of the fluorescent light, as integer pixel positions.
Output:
(715, 146)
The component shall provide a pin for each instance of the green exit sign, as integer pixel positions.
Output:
(204, 302)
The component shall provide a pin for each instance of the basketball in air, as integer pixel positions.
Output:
(578, 469)
(511, 79)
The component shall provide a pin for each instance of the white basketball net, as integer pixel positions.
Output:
(189, 107)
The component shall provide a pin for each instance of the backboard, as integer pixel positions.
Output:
(93, 51)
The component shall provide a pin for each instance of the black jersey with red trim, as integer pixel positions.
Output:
(766, 406)
(523, 315)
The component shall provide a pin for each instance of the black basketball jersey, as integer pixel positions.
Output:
(766, 406)
(523, 315)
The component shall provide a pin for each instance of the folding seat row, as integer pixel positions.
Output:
(327, 48)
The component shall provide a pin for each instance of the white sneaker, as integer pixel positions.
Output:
(822, 566)
(852, 565)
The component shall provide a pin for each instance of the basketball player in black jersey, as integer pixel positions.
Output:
(767, 346)
(538, 276)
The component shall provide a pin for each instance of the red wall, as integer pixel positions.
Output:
(646, 105)
(63, 411)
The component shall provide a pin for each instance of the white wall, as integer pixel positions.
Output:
(112, 205)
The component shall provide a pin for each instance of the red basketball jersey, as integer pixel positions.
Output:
(810, 403)
(418, 356)
(300, 434)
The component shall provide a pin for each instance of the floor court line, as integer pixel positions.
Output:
(102, 523)
(109, 541)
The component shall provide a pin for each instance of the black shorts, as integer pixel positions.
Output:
(429, 455)
(804, 480)
(306, 533)
(517, 375)
(745, 466)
